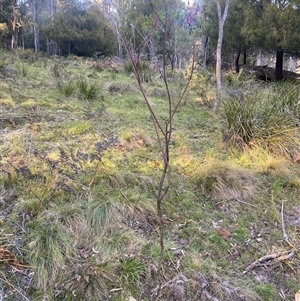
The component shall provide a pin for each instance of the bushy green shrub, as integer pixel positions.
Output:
(27, 54)
(202, 83)
(142, 66)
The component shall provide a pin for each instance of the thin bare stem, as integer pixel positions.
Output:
(163, 129)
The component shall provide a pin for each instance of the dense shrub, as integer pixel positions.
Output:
(202, 84)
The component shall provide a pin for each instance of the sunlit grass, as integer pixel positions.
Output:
(6, 101)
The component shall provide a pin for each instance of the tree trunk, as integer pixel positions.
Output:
(35, 29)
(279, 63)
(221, 20)
(237, 65)
(52, 7)
(205, 51)
(52, 45)
(245, 57)
(120, 47)
(13, 37)
(14, 25)
(235, 61)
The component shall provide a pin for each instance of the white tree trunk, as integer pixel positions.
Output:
(35, 27)
(221, 20)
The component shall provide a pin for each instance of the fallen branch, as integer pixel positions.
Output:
(270, 259)
(209, 296)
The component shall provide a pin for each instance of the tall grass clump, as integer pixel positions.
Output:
(66, 88)
(290, 98)
(23, 69)
(49, 246)
(57, 72)
(91, 278)
(87, 90)
(267, 119)
(132, 273)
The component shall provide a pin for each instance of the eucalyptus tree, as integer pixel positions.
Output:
(235, 43)
(34, 10)
(221, 21)
(134, 19)
(9, 10)
(78, 29)
(3, 31)
(114, 13)
(273, 25)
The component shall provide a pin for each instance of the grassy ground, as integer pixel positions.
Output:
(79, 168)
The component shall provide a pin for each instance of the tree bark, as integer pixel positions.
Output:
(205, 51)
(236, 61)
(35, 28)
(14, 25)
(221, 21)
(279, 63)
(245, 56)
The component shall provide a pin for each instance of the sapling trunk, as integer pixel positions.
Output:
(163, 137)
(163, 129)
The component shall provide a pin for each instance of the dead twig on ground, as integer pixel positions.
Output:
(285, 236)
(270, 259)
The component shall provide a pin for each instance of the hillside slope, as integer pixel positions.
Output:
(79, 169)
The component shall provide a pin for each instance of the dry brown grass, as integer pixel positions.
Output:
(120, 88)
(222, 181)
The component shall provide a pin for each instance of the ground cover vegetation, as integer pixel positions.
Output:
(79, 173)
(118, 179)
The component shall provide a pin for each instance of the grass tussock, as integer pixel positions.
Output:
(89, 279)
(49, 247)
(120, 87)
(224, 181)
(136, 139)
(267, 120)
(67, 88)
(88, 91)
